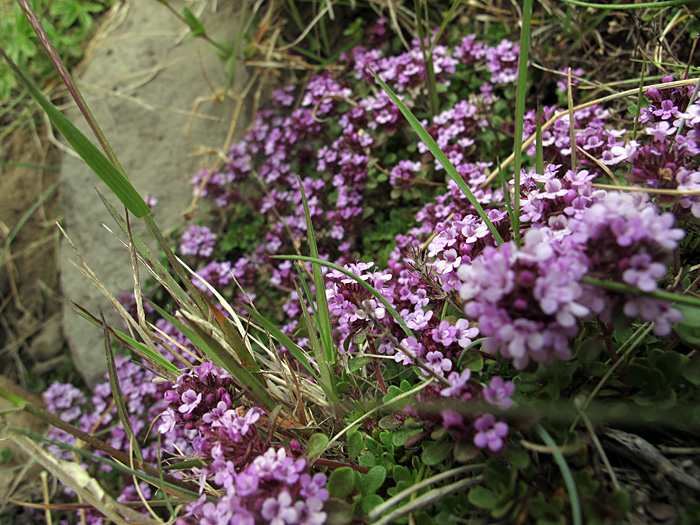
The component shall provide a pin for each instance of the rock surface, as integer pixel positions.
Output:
(141, 83)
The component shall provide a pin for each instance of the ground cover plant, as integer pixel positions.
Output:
(390, 318)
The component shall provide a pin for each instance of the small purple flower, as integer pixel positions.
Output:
(279, 511)
(498, 393)
(246, 483)
(445, 333)
(438, 363)
(198, 241)
(450, 418)
(190, 400)
(168, 422)
(490, 432)
(457, 383)
(661, 130)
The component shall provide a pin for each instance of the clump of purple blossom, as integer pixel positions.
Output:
(260, 482)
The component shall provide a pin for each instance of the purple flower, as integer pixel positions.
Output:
(643, 272)
(498, 393)
(198, 241)
(168, 422)
(661, 130)
(445, 333)
(450, 418)
(190, 399)
(314, 487)
(490, 432)
(438, 363)
(457, 382)
(279, 510)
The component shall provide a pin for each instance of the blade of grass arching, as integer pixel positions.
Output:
(235, 341)
(72, 475)
(139, 348)
(104, 169)
(326, 383)
(24, 218)
(48, 46)
(595, 102)
(565, 472)
(443, 26)
(506, 196)
(640, 96)
(521, 93)
(439, 155)
(324, 316)
(539, 147)
(118, 466)
(642, 5)
(283, 339)
(220, 355)
(427, 57)
(117, 393)
(85, 437)
(632, 290)
(359, 280)
(159, 272)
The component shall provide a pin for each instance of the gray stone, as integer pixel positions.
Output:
(140, 83)
(48, 343)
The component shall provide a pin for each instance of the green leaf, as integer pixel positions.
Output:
(341, 482)
(355, 444)
(474, 361)
(482, 498)
(373, 480)
(371, 501)
(109, 174)
(327, 357)
(691, 372)
(435, 453)
(357, 363)
(338, 512)
(518, 458)
(401, 473)
(193, 22)
(316, 445)
(402, 435)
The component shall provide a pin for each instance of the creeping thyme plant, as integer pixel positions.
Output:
(396, 351)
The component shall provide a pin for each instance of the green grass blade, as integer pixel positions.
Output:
(139, 348)
(443, 26)
(283, 339)
(326, 383)
(357, 279)
(539, 147)
(626, 288)
(117, 395)
(565, 472)
(119, 467)
(642, 5)
(235, 341)
(324, 316)
(440, 156)
(521, 93)
(92, 156)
